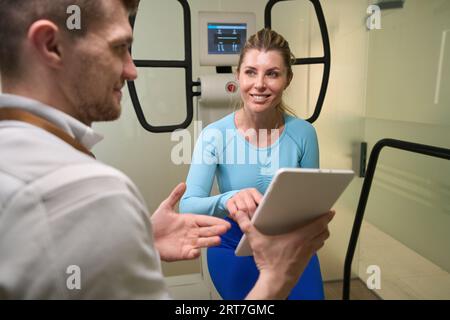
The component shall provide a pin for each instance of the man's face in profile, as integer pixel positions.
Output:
(98, 66)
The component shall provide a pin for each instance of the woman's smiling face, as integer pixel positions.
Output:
(262, 76)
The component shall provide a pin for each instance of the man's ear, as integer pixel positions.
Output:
(44, 37)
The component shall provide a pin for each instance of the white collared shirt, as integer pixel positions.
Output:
(71, 227)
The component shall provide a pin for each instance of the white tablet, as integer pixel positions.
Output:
(295, 196)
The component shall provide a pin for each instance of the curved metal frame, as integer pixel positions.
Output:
(325, 60)
(185, 64)
(397, 144)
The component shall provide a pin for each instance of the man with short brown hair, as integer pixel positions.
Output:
(61, 210)
(18, 15)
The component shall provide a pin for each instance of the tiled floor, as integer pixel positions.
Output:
(191, 287)
(404, 273)
(358, 291)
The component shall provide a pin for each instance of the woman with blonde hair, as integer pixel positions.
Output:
(243, 151)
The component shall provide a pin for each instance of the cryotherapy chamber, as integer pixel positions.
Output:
(222, 36)
(213, 105)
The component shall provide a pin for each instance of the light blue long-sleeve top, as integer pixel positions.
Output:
(223, 152)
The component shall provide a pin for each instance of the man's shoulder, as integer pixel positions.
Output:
(72, 182)
(29, 152)
(38, 162)
(100, 178)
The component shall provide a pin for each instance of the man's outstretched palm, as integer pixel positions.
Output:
(181, 236)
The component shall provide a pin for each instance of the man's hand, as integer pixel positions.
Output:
(246, 200)
(282, 259)
(181, 236)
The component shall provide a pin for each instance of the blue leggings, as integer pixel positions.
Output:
(234, 276)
